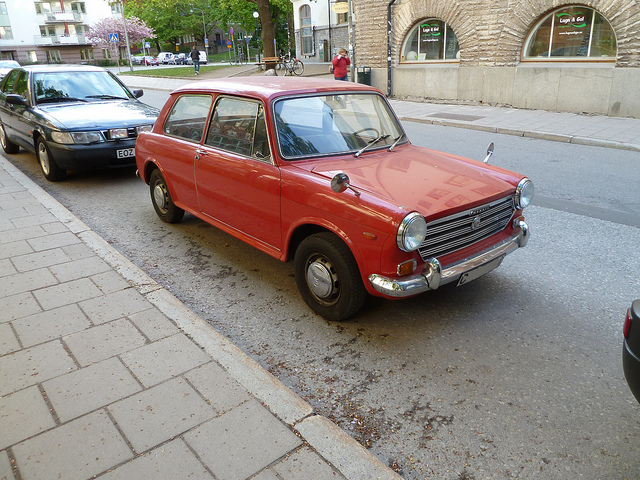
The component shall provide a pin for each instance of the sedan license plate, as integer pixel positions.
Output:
(126, 153)
(480, 271)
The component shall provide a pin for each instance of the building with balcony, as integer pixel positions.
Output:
(41, 31)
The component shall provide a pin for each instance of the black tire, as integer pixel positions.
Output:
(328, 277)
(161, 199)
(48, 165)
(298, 67)
(7, 145)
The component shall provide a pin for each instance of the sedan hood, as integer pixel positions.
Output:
(99, 115)
(416, 178)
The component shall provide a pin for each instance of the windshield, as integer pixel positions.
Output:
(334, 124)
(83, 86)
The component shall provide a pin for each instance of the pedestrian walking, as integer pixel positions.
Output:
(340, 63)
(195, 56)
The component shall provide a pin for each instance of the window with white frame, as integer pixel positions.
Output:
(571, 33)
(306, 30)
(31, 56)
(431, 40)
(53, 56)
(86, 54)
(5, 24)
(43, 7)
(116, 8)
(78, 7)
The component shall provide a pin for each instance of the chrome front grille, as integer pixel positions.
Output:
(446, 235)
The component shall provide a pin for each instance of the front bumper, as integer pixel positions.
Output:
(631, 368)
(433, 275)
(94, 156)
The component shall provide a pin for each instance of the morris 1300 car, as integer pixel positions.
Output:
(322, 173)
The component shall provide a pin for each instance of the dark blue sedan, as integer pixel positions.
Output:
(73, 117)
(631, 348)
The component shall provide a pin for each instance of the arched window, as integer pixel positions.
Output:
(306, 31)
(571, 33)
(430, 40)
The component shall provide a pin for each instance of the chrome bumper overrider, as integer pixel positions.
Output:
(433, 275)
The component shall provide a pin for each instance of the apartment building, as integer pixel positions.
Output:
(53, 31)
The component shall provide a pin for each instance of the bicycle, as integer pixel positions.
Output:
(291, 66)
(238, 59)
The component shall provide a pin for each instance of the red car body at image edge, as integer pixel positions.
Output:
(321, 172)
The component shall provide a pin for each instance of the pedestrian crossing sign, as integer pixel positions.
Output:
(113, 38)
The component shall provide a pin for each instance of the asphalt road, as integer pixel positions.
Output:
(515, 375)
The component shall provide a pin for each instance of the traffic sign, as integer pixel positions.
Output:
(113, 38)
(228, 44)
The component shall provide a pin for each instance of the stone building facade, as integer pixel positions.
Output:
(492, 66)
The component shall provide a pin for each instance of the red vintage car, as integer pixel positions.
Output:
(321, 172)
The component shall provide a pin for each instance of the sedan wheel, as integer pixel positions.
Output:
(7, 145)
(49, 167)
(328, 277)
(161, 199)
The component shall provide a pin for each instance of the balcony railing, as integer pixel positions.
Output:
(61, 40)
(63, 17)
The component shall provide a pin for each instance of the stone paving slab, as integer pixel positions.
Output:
(104, 373)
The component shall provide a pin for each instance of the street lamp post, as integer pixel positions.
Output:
(204, 26)
(256, 15)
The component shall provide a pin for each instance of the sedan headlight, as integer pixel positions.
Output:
(524, 193)
(411, 232)
(69, 138)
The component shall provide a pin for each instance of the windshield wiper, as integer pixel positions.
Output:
(115, 97)
(370, 144)
(60, 99)
(397, 140)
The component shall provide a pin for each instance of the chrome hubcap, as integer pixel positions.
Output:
(160, 196)
(44, 158)
(320, 278)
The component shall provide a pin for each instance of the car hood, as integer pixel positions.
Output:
(420, 179)
(99, 115)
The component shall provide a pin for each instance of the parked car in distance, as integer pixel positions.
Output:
(6, 66)
(166, 58)
(149, 60)
(137, 59)
(631, 348)
(73, 117)
(203, 58)
(181, 58)
(322, 173)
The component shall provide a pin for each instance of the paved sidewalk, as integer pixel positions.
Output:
(104, 373)
(595, 130)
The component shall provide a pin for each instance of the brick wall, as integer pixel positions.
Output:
(490, 33)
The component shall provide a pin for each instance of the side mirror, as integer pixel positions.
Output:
(340, 182)
(138, 93)
(489, 153)
(15, 99)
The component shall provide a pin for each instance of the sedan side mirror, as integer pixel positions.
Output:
(489, 153)
(138, 93)
(15, 99)
(340, 182)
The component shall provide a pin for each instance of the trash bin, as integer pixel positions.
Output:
(364, 75)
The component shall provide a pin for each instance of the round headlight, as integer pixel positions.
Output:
(411, 232)
(524, 193)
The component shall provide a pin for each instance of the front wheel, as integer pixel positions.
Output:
(161, 199)
(298, 67)
(49, 167)
(328, 277)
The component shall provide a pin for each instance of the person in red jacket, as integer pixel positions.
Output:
(340, 63)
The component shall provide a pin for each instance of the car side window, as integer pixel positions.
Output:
(238, 126)
(11, 81)
(22, 84)
(188, 117)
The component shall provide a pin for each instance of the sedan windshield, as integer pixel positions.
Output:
(335, 124)
(82, 86)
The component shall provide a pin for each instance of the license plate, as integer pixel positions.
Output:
(126, 153)
(480, 271)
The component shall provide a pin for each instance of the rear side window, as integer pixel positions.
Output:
(238, 126)
(11, 81)
(188, 117)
